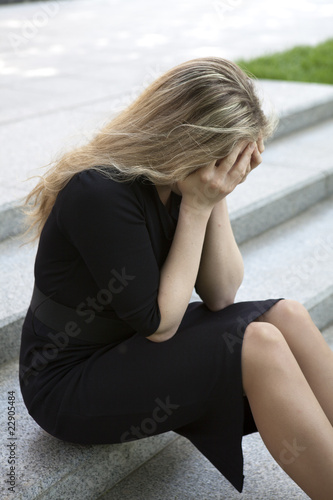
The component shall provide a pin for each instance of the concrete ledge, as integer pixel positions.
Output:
(180, 468)
(298, 104)
(51, 469)
(254, 219)
(10, 336)
(6, 2)
(320, 308)
(293, 259)
(11, 220)
(35, 141)
(304, 118)
(180, 472)
(289, 177)
(16, 277)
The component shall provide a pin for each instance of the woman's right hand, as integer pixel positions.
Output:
(208, 185)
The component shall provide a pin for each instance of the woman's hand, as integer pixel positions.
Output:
(256, 158)
(208, 185)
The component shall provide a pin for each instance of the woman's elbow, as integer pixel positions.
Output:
(161, 335)
(219, 305)
(219, 302)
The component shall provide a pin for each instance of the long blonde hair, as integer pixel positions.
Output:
(192, 114)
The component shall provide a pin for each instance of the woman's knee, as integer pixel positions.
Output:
(292, 309)
(264, 351)
(263, 342)
(263, 334)
(286, 311)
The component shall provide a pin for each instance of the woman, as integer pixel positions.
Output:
(129, 224)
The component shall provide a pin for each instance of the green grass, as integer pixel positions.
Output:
(302, 64)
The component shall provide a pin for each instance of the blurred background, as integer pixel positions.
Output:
(67, 65)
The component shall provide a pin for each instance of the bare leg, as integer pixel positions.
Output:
(288, 416)
(309, 347)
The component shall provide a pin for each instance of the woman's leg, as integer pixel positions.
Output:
(288, 416)
(307, 344)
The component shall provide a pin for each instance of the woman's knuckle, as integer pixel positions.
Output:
(204, 178)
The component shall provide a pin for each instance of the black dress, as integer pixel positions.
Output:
(100, 254)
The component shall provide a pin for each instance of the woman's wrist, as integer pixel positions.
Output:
(221, 208)
(191, 208)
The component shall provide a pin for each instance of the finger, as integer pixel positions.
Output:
(244, 160)
(260, 144)
(256, 158)
(228, 162)
(245, 174)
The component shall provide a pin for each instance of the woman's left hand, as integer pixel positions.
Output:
(260, 145)
(256, 158)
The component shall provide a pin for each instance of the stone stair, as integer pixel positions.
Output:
(283, 219)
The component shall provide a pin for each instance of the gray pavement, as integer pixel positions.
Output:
(65, 68)
(192, 477)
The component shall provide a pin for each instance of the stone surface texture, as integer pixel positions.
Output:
(66, 68)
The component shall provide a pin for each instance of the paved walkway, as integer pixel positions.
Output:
(73, 62)
(67, 65)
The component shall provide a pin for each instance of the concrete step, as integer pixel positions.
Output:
(275, 203)
(161, 467)
(48, 101)
(47, 468)
(297, 172)
(16, 284)
(180, 472)
(59, 120)
(294, 259)
(299, 105)
(292, 177)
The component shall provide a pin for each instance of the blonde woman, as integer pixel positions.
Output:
(128, 225)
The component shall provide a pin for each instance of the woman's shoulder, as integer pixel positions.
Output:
(99, 186)
(91, 195)
(98, 179)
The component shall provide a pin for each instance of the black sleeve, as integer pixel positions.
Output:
(105, 221)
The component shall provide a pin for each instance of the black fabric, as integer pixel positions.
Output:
(99, 254)
(60, 317)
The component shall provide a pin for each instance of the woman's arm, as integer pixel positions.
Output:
(179, 272)
(201, 191)
(221, 268)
